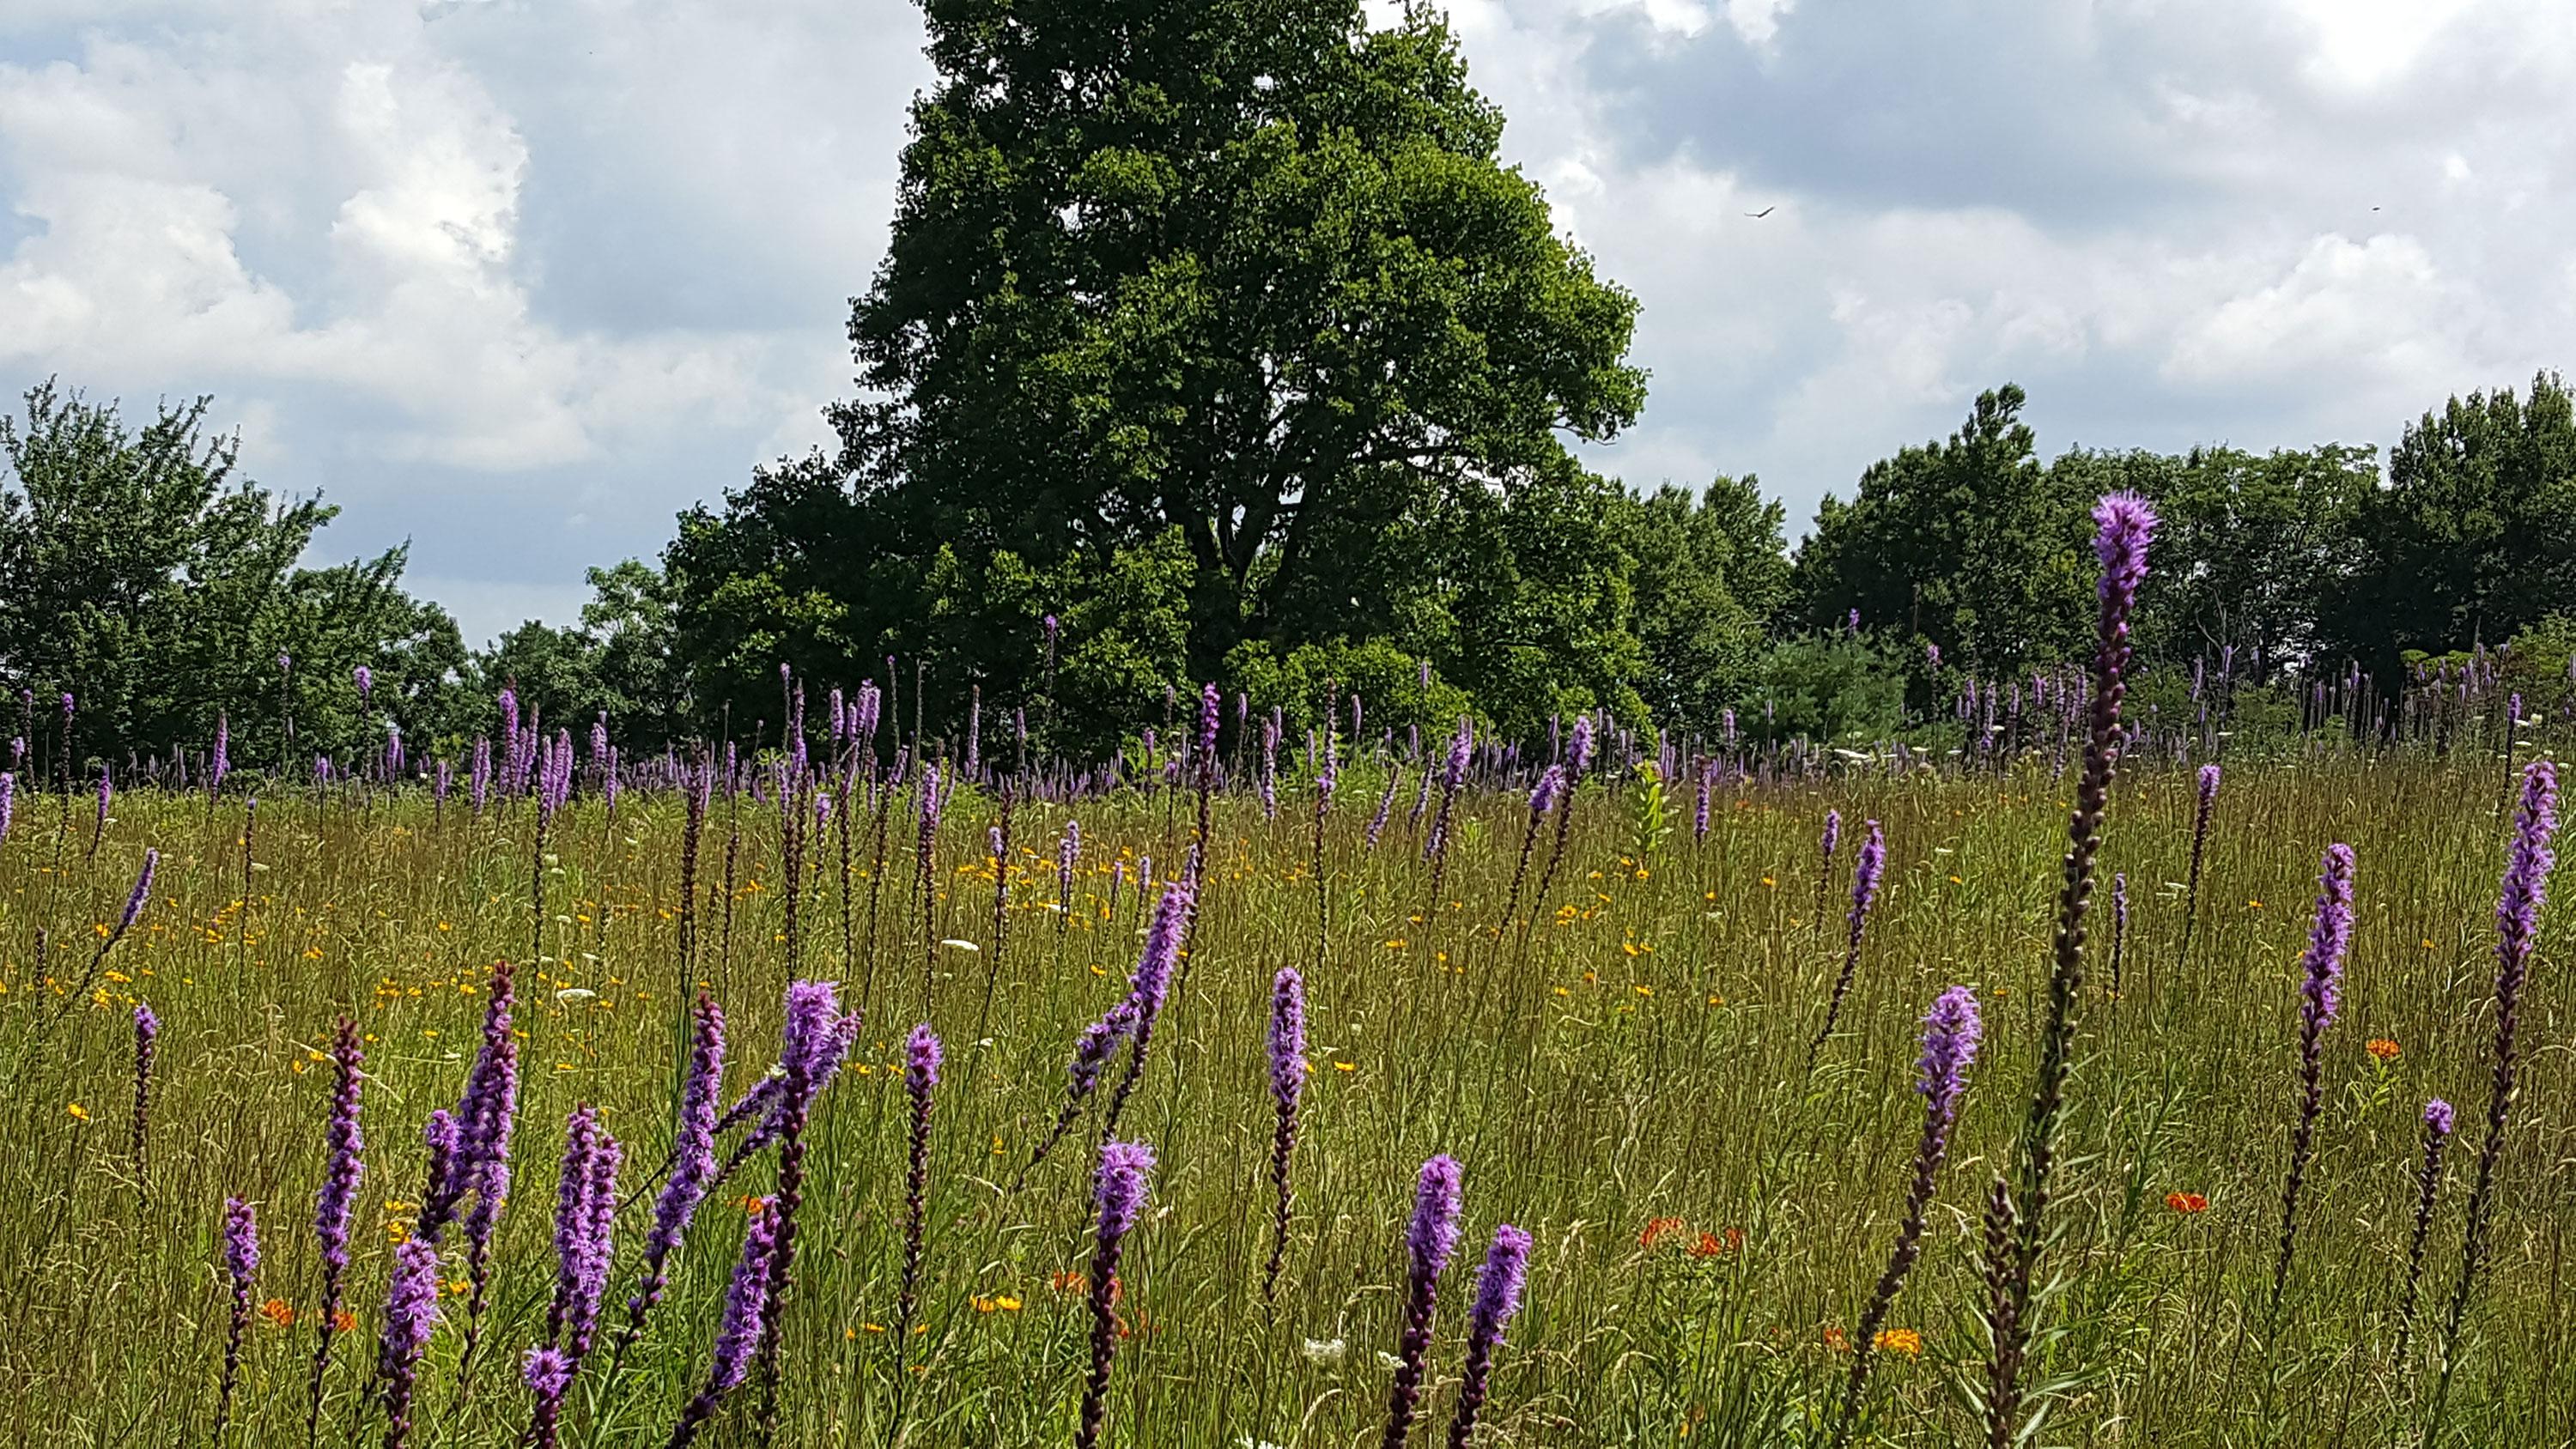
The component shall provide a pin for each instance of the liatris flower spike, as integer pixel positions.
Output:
(921, 1057)
(1428, 1242)
(2321, 972)
(1498, 1299)
(693, 1166)
(1287, 1043)
(241, 1265)
(1118, 1191)
(2518, 907)
(411, 1311)
(147, 1033)
(1866, 874)
(2124, 526)
(2205, 800)
(1951, 1032)
(335, 1206)
(738, 1336)
(2428, 1186)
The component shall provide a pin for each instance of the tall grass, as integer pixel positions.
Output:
(1627, 1081)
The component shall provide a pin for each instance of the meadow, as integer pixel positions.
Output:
(1634, 1079)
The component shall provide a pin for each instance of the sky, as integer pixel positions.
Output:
(517, 280)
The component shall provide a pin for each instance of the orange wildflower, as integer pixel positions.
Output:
(2187, 1202)
(278, 1311)
(1657, 1229)
(2382, 1048)
(1899, 1340)
(1710, 1245)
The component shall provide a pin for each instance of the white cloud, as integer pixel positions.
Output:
(515, 282)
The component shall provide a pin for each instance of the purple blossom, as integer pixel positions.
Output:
(746, 1300)
(1543, 795)
(2438, 1117)
(1951, 1031)
(921, 1058)
(334, 1207)
(2125, 525)
(1097, 1044)
(1119, 1188)
(366, 679)
(1429, 1240)
(1210, 703)
(411, 1312)
(1433, 1233)
(2322, 966)
(142, 892)
(1287, 1039)
(548, 1373)
(1498, 1299)
(241, 1242)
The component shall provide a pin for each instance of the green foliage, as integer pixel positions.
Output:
(2474, 537)
(1257, 281)
(1708, 577)
(139, 574)
(2251, 551)
(1968, 543)
(1830, 688)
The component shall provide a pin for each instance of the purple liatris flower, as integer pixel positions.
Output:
(1147, 988)
(693, 1160)
(1498, 1299)
(2205, 800)
(8, 801)
(1951, 1032)
(1428, 1241)
(2119, 925)
(921, 1055)
(241, 1265)
(738, 1335)
(1210, 703)
(2428, 1187)
(1068, 851)
(2518, 907)
(1118, 1191)
(2016, 1229)
(142, 893)
(1287, 1043)
(1385, 804)
(1866, 874)
(582, 1138)
(147, 1033)
(334, 1207)
(411, 1311)
(549, 1372)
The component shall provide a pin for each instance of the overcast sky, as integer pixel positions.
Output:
(517, 280)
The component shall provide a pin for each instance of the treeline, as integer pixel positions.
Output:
(141, 574)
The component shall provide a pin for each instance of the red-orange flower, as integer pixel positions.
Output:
(2187, 1202)
(2382, 1048)
(278, 1311)
(1710, 1245)
(1657, 1229)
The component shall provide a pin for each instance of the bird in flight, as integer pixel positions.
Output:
(1766, 211)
